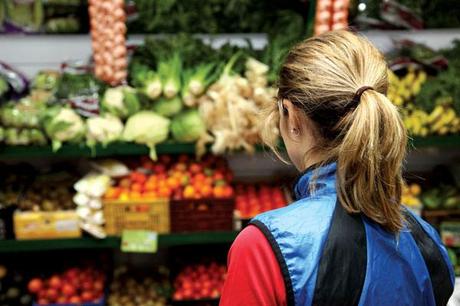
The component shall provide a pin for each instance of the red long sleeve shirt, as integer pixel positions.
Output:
(254, 277)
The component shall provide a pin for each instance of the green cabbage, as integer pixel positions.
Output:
(188, 126)
(147, 128)
(168, 107)
(121, 101)
(63, 125)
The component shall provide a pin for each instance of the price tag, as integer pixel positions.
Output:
(138, 241)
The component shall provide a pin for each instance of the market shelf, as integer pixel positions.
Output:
(75, 150)
(451, 141)
(441, 213)
(167, 240)
(124, 148)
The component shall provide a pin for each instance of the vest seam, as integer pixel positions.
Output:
(280, 258)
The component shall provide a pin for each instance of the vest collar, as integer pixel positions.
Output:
(323, 178)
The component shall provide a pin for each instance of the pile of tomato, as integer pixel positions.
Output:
(176, 178)
(252, 200)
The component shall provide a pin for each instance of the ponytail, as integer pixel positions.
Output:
(369, 158)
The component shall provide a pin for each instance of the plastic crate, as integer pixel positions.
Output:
(136, 215)
(202, 215)
(46, 225)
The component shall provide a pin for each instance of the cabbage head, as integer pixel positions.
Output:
(103, 129)
(147, 127)
(63, 125)
(121, 101)
(168, 107)
(188, 126)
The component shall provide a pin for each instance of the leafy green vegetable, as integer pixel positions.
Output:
(46, 80)
(147, 128)
(63, 125)
(121, 101)
(170, 73)
(152, 86)
(168, 107)
(444, 87)
(188, 126)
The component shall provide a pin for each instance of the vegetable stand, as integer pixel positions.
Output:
(140, 126)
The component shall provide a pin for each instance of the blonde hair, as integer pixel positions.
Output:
(321, 75)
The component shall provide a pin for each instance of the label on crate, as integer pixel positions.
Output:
(139, 241)
(450, 233)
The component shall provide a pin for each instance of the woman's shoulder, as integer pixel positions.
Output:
(305, 211)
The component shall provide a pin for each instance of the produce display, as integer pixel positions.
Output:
(51, 16)
(406, 14)
(429, 104)
(20, 123)
(252, 200)
(72, 286)
(108, 29)
(218, 16)
(231, 107)
(13, 287)
(331, 15)
(132, 289)
(199, 282)
(178, 179)
(443, 197)
(49, 192)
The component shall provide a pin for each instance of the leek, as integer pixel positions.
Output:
(170, 73)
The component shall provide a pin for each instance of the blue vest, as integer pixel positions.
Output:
(329, 257)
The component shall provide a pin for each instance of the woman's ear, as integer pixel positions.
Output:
(293, 118)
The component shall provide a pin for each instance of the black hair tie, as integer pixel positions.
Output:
(359, 92)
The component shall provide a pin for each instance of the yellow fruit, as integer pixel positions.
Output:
(415, 189)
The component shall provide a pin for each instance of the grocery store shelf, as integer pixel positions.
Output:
(75, 150)
(123, 148)
(452, 141)
(167, 240)
(49, 51)
(441, 213)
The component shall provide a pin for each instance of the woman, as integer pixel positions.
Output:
(346, 240)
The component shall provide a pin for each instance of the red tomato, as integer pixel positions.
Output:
(181, 167)
(228, 191)
(68, 290)
(125, 183)
(87, 296)
(43, 302)
(218, 176)
(159, 168)
(52, 294)
(35, 285)
(219, 192)
(206, 191)
(75, 300)
(195, 168)
(137, 187)
(183, 158)
(138, 177)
